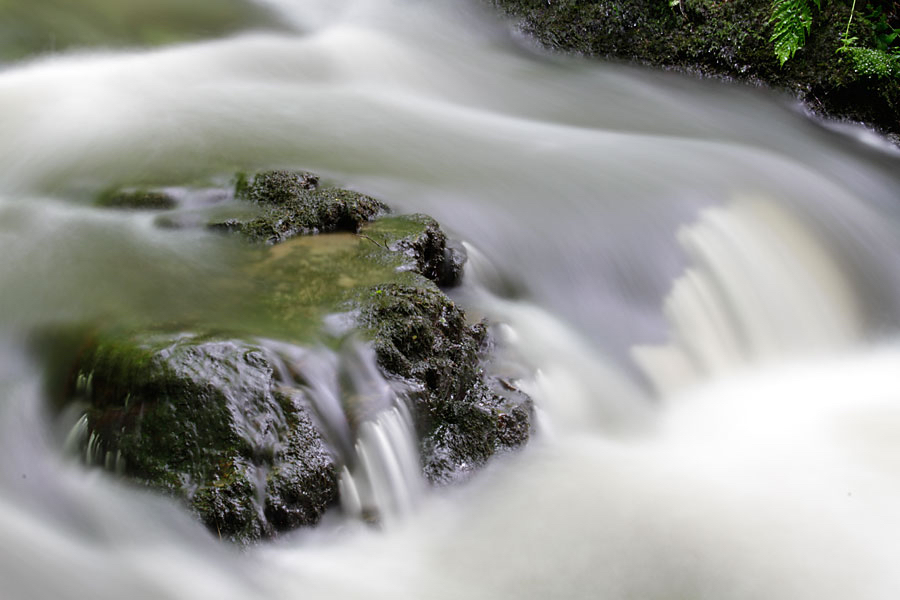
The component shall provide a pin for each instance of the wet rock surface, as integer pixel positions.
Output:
(211, 417)
(431, 253)
(203, 419)
(463, 416)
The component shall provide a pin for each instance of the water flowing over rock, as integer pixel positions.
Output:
(252, 434)
(419, 334)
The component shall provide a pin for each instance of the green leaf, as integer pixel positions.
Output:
(791, 21)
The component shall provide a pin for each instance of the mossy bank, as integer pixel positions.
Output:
(732, 40)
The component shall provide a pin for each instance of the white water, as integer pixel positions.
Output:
(381, 477)
(707, 288)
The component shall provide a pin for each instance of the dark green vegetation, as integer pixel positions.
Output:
(872, 51)
(734, 39)
(204, 411)
(41, 26)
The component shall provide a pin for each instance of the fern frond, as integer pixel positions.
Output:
(792, 20)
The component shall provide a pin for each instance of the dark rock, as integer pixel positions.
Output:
(292, 204)
(433, 257)
(421, 335)
(464, 435)
(423, 246)
(202, 419)
(275, 187)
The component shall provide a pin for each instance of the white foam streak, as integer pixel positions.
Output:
(386, 482)
(367, 422)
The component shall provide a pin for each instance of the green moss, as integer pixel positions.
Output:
(869, 62)
(297, 279)
(225, 505)
(199, 417)
(291, 204)
(423, 243)
(164, 402)
(298, 282)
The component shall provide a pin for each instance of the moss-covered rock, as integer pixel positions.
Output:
(419, 334)
(291, 204)
(463, 416)
(202, 419)
(424, 245)
(721, 39)
(209, 418)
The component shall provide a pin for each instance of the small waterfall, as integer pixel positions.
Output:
(553, 362)
(367, 421)
(761, 285)
(385, 481)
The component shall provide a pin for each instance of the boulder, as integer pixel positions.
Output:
(203, 419)
(205, 412)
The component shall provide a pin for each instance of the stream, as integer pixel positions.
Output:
(698, 282)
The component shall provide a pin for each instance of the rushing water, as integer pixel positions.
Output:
(702, 281)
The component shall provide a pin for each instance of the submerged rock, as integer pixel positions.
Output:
(137, 200)
(210, 418)
(51, 27)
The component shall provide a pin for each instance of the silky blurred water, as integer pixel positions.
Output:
(697, 282)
